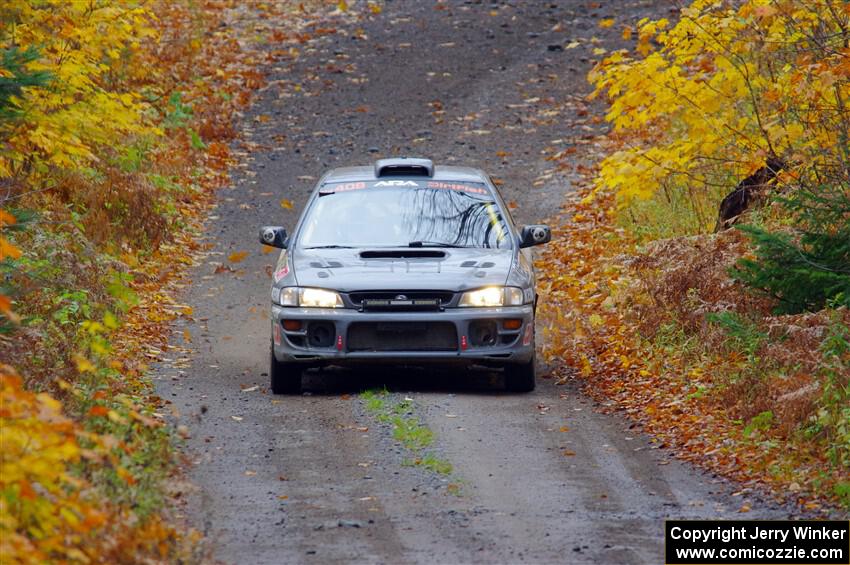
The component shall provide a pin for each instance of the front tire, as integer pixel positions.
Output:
(521, 377)
(285, 377)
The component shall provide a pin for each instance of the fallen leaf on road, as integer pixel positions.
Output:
(250, 473)
(251, 388)
(237, 418)
(237, 256)
(286, 204)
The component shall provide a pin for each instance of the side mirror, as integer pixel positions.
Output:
(274, 236)
(534, 235)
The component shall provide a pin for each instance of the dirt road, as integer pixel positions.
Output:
(537, 478)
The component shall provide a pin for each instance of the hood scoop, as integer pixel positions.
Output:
(403, 254)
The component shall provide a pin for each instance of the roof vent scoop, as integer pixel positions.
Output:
(404, 167)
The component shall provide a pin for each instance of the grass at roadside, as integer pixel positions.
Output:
(408, 430)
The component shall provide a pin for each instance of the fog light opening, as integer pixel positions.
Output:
(321, 334)
(483, 333)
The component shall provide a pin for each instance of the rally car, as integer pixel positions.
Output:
(405, 263)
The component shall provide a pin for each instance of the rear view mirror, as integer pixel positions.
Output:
(535, 235)
(274, 236)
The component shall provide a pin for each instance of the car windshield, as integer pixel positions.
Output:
(415, 214)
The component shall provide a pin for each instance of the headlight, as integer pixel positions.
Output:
(306, 297)
(318, 298)
(492, 296)
(289, 296)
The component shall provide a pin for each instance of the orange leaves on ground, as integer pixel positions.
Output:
(237, 256)
(218, 154)
(7, 250)
(286, 204)
(598, 299)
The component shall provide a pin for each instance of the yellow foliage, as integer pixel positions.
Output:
(84, 47)
(48, 513)
(729, 86)
(107, 70)
(41, 504)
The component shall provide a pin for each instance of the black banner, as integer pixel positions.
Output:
(761, 542)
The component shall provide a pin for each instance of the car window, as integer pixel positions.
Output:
(402, 213)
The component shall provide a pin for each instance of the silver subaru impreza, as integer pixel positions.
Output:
(403, 263)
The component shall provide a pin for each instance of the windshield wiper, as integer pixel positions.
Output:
(435, 244)
(330, 247)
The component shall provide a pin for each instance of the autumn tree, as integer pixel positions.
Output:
(707, 102)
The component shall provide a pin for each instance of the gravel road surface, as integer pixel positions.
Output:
(537, 478)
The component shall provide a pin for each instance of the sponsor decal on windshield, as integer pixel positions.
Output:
(469, 188)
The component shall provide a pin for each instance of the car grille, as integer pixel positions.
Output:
(401, 300)
(402, 336)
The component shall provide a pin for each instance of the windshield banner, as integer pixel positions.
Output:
(467, 187)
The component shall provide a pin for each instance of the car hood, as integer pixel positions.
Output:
(349, 270)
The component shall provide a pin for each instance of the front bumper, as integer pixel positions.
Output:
(510, 346)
